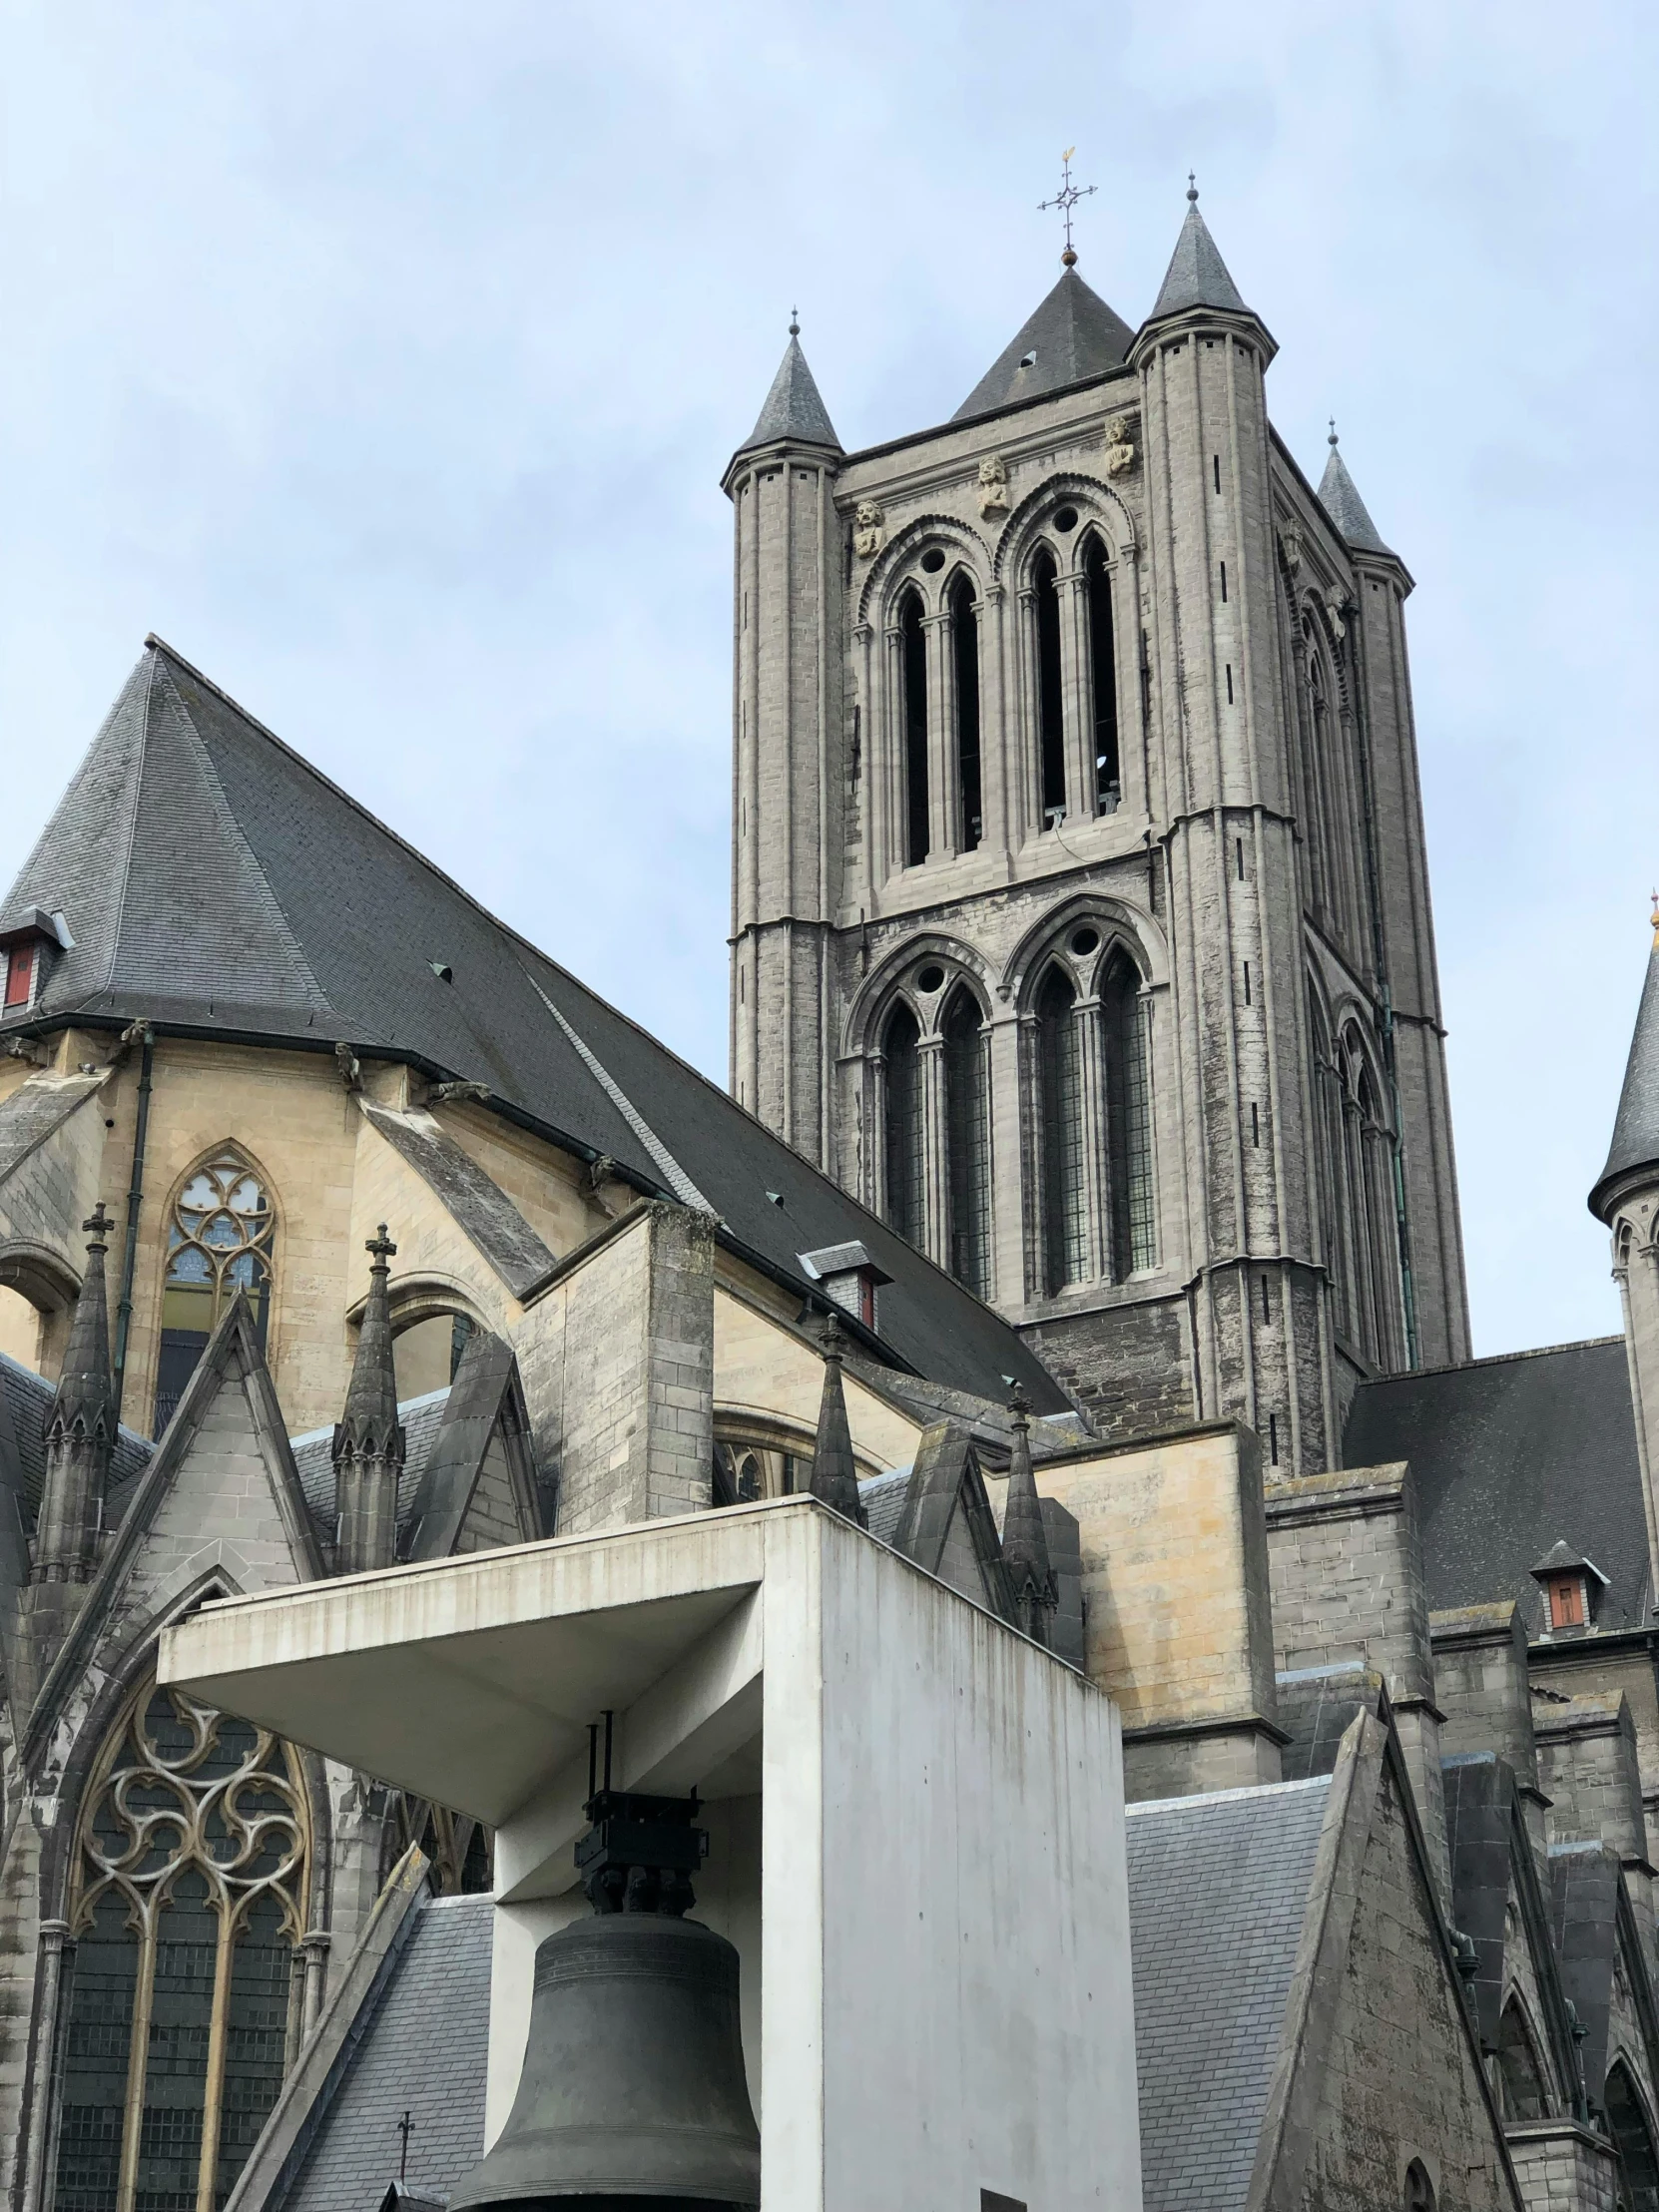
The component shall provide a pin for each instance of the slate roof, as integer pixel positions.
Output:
(1636, 1127)
(214, 882)
(1510, 1456)
(794, 408)
(1197, 276)
(1218, 1890)
(1342, 502)
(314, 1457)
(423, 2050)
(1074, 334)
(28, 1401)
(883, 1498)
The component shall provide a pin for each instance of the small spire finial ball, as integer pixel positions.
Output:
(1192, 186)
(1068, 259)
(794, 323)
(1331, 439)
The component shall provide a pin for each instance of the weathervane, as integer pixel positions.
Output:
(1065, 200)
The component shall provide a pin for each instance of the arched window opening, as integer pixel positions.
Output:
(1520, 2084)
(1333, 1189)
(1634, 2139)
(1134, 1237)
(964, 647)
(188, 1906)
(428, 1353)
(1103, 680)
(913, 648)
(1420, 2190)
(1050, 712)
(1064, 1182)
(906, 1132)
(219, 1242)
(967, 1144)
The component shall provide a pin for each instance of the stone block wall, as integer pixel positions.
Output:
(1562, 2167)
(1483, 1687)
(1587, 1769)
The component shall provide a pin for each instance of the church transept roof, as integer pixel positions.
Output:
(216, 884)
(1072, 336)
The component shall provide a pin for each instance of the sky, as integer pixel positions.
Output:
(385, 358)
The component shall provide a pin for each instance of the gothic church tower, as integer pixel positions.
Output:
(1080, 906)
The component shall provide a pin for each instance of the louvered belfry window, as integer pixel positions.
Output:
(188, 1906)
(1128, 1121)
(905, 1131)
(967, 1144)
(1065, 1220)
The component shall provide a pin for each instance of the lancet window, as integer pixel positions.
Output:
(186, 1911)
(1052, 734)
(964, 647)
(1133, 1216)
(1064, 1204)
(967, 1142)
(912, 649)
(905, 1131)
(1520, 2082)
(1103, 678)
(1634, 2138)
(220, 1241)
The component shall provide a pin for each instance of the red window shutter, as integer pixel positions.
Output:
(1565, 1611)
(20, 973)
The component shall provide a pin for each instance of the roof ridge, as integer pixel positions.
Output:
(677, 1180)
(126, 869)
(1493, 1359)
(292, 948)
(1229, 1796)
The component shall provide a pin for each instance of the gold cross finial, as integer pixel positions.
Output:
(1653, 917)
(1065, 200)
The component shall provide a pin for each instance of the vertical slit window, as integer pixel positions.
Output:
(913, 654)
(967, 1145)
(965, 645)
(1128, 1122)
(1064, 1209)
(1103, 679)
(904, 1126)
(1050, 713)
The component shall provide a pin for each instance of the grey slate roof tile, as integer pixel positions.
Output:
(425, 2050)
(1074, 336)
(1218, 1890)
(793, 408)
(1339, 498)
(883, 1497)
(324, 929)
(313, 1456)
(1510, 1456)
(29, 1400)
(1197, 276)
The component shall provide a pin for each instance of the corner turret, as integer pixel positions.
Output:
(368, 1442)
(1626, 1198)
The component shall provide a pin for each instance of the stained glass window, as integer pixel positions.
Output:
(1128, 1121)
(967, 1144)
(1065, 1222)
(188, 1905)
(906, 1177)
(219, 1242)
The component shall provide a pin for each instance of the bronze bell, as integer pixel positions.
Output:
(633, 2096)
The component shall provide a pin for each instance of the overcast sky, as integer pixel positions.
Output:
(385, 358)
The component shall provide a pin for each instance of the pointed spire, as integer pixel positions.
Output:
(80, 1432)
(86, 1392)
(1635, 1143)
(1342, 502)
(1024, 1538)
(794, 411)
(369, 1440)
(1072, 336)
(835, 1476)
(1197, 274)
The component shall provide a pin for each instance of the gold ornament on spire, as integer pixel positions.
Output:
(1065, 200)
(1654, 918)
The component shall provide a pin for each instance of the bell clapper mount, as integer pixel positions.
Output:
(640, 1853)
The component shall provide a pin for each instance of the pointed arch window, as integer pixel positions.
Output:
(913, 652)
(1051, 738)
(1519, 2079)
(1103, 678)
(964, 647)
(1634, 2138)
(1133, 1217)
(905, 1131)
(188, 1906)
(1063, 1179)
(967, 1142)
(220, 1240)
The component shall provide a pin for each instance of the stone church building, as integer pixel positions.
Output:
(1081, 1224)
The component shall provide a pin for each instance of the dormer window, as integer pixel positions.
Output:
(1571, 1585)
(850, 1276)
(23, 955)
